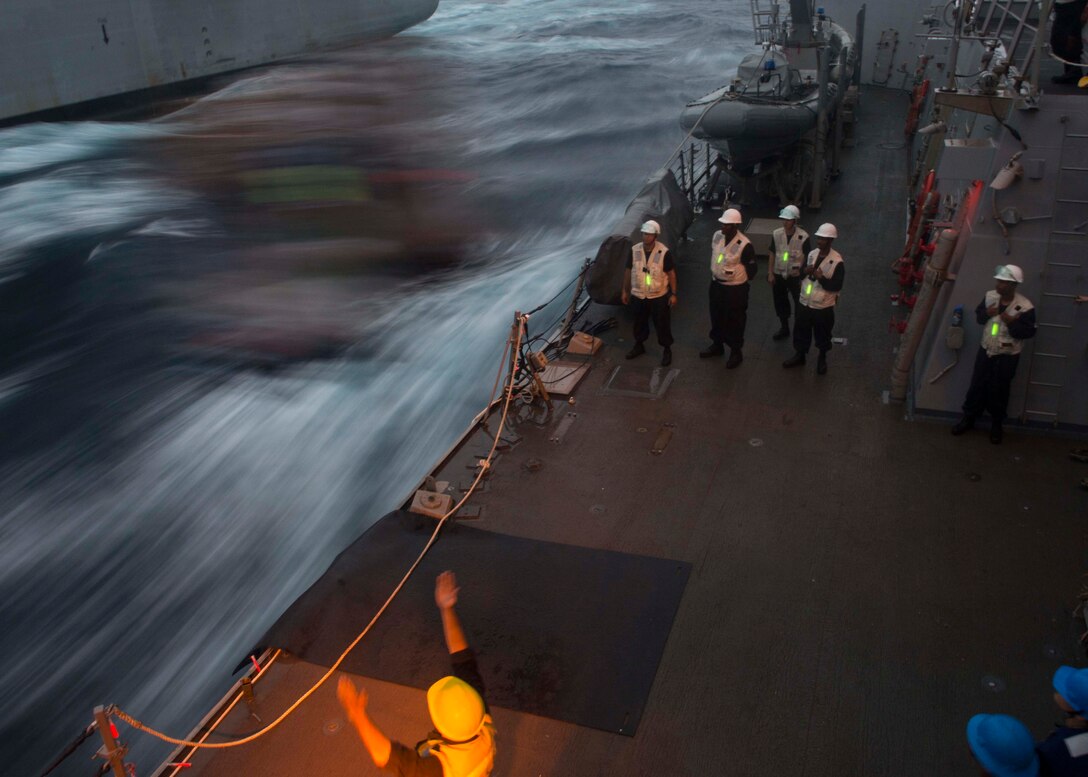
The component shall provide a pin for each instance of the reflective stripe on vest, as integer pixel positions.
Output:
(472, 759)
(788, 254)
(648, 277)
(814, 295)
(725, 263)
(996, 339)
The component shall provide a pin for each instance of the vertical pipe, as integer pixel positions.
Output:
(919, 317)
(954, 51)
(823, 63)
(1044, 15)
(843, 85)
(801, 19)
(859, 45)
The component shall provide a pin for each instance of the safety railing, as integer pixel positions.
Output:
(694, 168)
(1016, 23)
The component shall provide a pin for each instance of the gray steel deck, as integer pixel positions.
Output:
(862, 583)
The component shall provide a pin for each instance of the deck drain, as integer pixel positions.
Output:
(755, 442)
(332, 727)
(993, 683)
(533, 465)
(597, 509)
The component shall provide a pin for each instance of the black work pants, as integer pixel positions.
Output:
(782, 290)
(990, 383)
(656, 309)
(728, 313)
(1065, 39)
(813, 321)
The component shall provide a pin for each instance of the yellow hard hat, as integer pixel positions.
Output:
(456, 709)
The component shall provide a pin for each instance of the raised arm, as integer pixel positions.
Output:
(354, 703)
(445, 596)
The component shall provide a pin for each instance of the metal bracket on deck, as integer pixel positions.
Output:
(664, 435)
(564, 426)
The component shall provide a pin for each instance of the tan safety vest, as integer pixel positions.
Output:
(788, 252)
(475, 758)
(996, 339)
(648, 277)
(725, 263)
(813, 295)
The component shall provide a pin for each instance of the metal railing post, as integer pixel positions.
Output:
(568, 320)
(111, 751)
(691, 174)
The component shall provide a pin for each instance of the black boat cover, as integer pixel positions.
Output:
(659, 199)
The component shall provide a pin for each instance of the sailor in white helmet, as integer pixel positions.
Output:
(1008, 319)
(649, 287)
(463, 742)
(821, 282)
(732, 266)
(789, 247)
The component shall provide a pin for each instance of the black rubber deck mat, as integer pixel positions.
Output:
(561, 631)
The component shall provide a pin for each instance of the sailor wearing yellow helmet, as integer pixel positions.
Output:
(463, 743)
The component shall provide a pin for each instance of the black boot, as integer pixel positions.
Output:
(735, 358)
(821, 364)
(666, 357)
(996, 432)
(966, 423)
(637, 350)
(714, 349)
(796, 360)
(783, 331)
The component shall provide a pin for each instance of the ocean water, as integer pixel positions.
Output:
(200, 407)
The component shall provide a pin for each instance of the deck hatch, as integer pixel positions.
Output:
(646, 382)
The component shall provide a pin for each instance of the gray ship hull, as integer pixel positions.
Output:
(60, 53)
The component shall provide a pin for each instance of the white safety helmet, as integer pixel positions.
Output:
(827, 230)
(651, 227)
(731, 216)
(1009, 272)
(790, 212)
